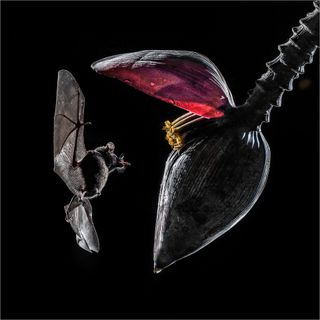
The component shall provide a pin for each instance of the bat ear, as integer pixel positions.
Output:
(111, 146)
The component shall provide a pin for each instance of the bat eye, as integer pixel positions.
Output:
(110, 146)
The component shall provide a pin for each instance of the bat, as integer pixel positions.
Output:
(84, 172)
(220, 160)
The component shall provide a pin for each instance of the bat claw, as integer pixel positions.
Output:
(68, 217)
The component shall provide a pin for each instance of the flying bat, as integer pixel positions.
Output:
(84, 172)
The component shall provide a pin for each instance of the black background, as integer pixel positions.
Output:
(265, 267)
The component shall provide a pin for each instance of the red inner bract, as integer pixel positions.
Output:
(200, 109)
(170, 89)
(185, 79)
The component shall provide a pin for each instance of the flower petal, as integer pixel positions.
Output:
(185, 79)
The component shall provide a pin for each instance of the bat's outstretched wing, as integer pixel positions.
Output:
(68, 141)
(69, 149)
(82, 224)
(185, 79)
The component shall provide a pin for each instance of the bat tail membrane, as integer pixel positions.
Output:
(80, 219)
(283, 70)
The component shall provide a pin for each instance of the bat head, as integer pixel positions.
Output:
(110, 147)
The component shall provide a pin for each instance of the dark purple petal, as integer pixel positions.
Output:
(185, 79)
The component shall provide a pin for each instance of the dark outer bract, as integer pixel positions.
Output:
(215, 180)
(207, 187)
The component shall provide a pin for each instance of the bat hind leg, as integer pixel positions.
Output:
(82, 195)
(74, 202)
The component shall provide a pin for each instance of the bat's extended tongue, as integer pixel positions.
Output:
(124, 163)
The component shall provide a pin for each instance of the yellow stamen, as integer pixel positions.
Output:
(187, 123)
(173, 136)
(183, 117)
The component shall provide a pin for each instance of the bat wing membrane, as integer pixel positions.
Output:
(69, 146)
